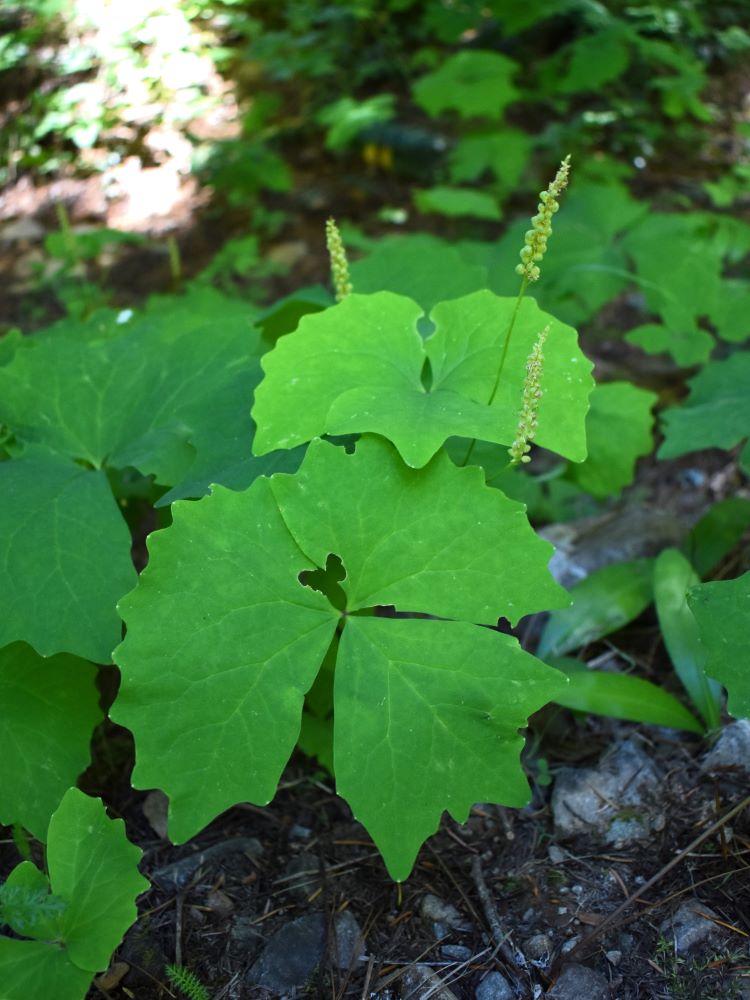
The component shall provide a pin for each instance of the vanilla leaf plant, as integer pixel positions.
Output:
(240, 616)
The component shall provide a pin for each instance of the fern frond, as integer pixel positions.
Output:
(187, 982)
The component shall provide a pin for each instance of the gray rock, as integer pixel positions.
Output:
(618, 800)
(691, 926)
(732, 749)
(591, 543)
(538, 948)
(494, 987)
(156, 809)
(420, 982)
(291, 956)
(22, 229)
(180, 873)
(456, 952)
(556, 854)
(347, 943)
(438, 911)
(577, 982)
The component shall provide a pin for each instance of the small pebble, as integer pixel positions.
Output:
(347, 943)
(731, 752)
(577, 982)
(456, 952)
(436, 910)
(691, 926)
(494, 986)
(538, 947)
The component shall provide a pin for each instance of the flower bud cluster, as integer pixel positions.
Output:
(339, 264)
(535, 241)
(532, 393)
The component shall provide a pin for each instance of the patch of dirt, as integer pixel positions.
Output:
(504, 871)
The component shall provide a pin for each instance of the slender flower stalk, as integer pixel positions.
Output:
(532, 394)
(339, 264)
(531, 255)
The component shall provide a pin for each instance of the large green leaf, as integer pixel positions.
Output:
(596, 59)
(473, 83)
(618, 432)
(688, 344)
(230, 465)
(423, 267)
(224, 641)
(451, 699)
(48, 711)
(136, 399)
(93, 867)
(93, 871)
(435, 539)
(678, 260)
(359, 367)
(505, 153)
(37, 969)
(722, 610)
(716, 414)
(456, 202)
(66, 558)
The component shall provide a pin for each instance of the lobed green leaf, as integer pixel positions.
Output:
(224, 641)
(473, 83)
(358, 368)
(93, 871)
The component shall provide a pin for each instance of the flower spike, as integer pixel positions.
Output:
(532, 393)
(535, 241)
(339, 264)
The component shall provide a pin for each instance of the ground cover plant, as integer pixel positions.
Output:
(340, 488)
